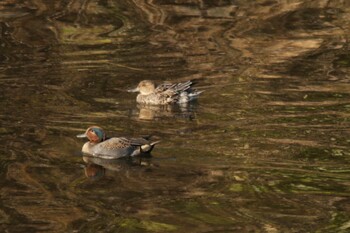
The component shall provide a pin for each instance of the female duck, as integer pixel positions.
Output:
(113, 148)
(165, 93)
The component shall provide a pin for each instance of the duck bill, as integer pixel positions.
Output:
(134, 90)
(81, 135)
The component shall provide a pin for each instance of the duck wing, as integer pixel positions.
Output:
(180, 87)
(116, 143)
(170, 90)
(177, 87)
(163, 87)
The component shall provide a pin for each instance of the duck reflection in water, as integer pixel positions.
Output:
(96, 168)
(94, 171)
(154, 112)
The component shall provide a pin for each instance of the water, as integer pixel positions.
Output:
(264, 149)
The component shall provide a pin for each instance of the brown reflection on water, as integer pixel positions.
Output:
(265, 148)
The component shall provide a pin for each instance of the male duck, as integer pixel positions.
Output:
(165, 93)
(113, 148)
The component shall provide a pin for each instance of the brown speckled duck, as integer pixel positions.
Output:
(166, 93)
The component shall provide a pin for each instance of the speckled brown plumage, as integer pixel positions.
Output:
(166, 93)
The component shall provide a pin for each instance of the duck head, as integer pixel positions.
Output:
(145, 87)
(94, 134)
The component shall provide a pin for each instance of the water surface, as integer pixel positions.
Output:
(264, 149)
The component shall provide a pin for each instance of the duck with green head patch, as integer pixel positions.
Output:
(115, 147)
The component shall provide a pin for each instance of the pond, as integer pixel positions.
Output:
(265, 148)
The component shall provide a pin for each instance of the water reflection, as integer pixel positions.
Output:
(157, 112)
(96, 168)
(266, 147)
(94, 171)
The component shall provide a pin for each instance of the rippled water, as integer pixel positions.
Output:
(264, 149)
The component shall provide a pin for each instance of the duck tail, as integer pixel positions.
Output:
(154, 143)
(180, 87)
(193, 95)
(146, 148)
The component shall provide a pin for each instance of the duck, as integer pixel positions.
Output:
(115, 147)
(165, 93)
